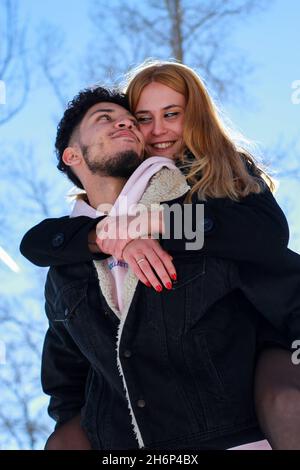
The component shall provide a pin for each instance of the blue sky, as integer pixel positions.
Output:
(271, 42)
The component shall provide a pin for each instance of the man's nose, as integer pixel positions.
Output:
(124, 122)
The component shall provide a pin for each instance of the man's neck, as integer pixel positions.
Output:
(103, 189)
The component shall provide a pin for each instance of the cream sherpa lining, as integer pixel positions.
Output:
(165, 185)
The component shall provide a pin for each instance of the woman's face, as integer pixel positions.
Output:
(160, 114)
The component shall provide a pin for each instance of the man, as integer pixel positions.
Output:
(100, 146)
(150, 390)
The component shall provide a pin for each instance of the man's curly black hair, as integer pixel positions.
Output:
(73, 115)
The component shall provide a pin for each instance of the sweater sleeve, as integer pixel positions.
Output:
(253, 230)
(55, 242)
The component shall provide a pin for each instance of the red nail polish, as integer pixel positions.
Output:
(158, 288)
(169, 285)
(148, 284)
(174, 277)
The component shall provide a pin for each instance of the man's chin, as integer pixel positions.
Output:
(118, 164)
(123, 164)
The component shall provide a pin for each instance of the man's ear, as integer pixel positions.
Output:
(71, 156)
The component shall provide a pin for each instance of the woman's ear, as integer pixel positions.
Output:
(71, 157)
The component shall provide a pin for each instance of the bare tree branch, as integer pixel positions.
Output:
(194, 32)
(35, 188)
(50, 56)
(24, 424)
(284, 159)
(13, 60)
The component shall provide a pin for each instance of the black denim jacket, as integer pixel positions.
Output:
(186, 357)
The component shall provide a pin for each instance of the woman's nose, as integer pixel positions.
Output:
(158, 127)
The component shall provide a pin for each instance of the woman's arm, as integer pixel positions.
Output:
(253, 230)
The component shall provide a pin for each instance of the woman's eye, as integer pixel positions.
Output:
(143, 119)
(167, 115)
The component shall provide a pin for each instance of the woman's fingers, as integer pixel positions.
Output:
(135, 255)
(150, 263)
(145, 274)
(166, 259)
(157, 279)
(154, 269)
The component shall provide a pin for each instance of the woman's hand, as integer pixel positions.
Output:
(150, 263)
(115, 232)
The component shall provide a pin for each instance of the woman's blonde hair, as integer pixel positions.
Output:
(218, 167)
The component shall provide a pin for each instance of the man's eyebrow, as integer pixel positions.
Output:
(106, 110)
(166, 107)
(102, 110)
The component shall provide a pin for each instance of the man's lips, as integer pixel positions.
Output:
(129, 134)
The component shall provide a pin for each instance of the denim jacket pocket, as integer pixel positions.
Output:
(188, 269)
(171, 310)
(71, 309)
(68, 301)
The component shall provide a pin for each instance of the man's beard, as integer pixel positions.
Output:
(118, 165)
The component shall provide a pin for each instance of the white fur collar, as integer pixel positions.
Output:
(165, 185)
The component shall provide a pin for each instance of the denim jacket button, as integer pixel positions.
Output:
(208, 224)
(58, 240)
(127, 353)
(141, 403)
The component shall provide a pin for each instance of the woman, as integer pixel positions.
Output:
(166, 98)
(162, 96)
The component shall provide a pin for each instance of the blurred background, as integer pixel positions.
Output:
(247, 51)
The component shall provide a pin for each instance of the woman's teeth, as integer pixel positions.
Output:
(163, 145)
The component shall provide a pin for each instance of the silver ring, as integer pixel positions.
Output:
(140, 260)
